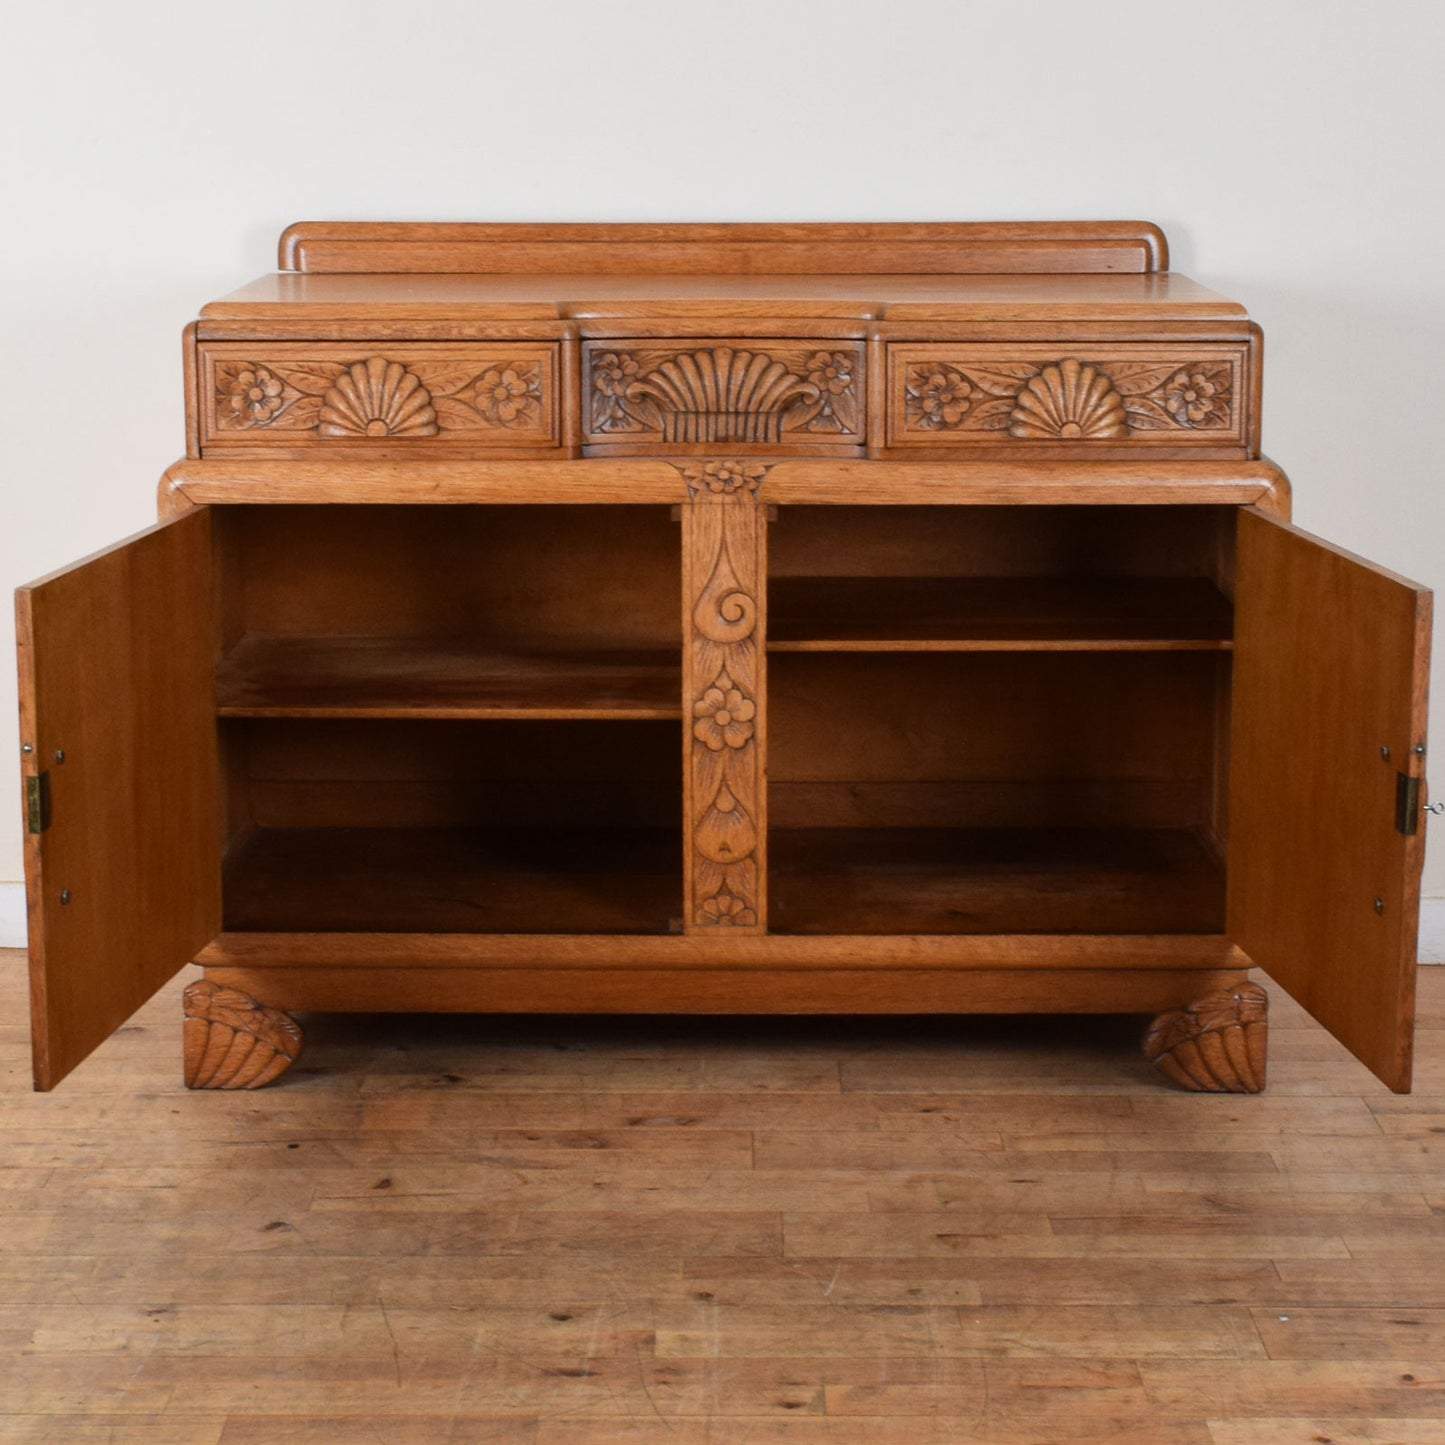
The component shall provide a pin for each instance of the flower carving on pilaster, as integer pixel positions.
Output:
(723, 716)
(723, 479)
(726, 910)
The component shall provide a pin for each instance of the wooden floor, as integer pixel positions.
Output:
(447, 1231)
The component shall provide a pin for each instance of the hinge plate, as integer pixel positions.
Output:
(1407, 804)
(37, 802)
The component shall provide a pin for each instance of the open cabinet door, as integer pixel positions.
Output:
(122, 858)
(1326, 843)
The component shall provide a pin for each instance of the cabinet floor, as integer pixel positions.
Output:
(455, 880)
(994, 880)
(836, 1232)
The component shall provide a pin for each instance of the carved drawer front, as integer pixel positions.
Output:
(1071, 394)
(659, 395)
(387, 395)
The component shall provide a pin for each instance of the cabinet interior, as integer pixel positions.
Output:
(451, 719)
(999, 719)
(979, 719)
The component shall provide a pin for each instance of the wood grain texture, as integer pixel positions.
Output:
(890, 990)
(1331, 672)
(116, 655)
(405, 398)
(739, 392)
(993, 880)
(389, 677)
(891, 248)
(554, 1231)
(233, 1041)
(462, 307)
(725, 697)
(1218, 1045)
(958, 395)
(601, 480)
(557, 879)
(983, 614)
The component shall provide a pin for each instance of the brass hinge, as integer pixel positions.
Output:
(1407, 804)
(37, 802)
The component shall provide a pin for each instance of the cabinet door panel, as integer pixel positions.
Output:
(1331, 662)
(116, 673)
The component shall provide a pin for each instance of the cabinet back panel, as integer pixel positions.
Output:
(1021, 541)
(524, 574)
(992, 739)
(306, 774)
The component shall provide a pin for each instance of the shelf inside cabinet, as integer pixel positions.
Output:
(997, 614)
(400, 677)
(994, 880)
(455, 880)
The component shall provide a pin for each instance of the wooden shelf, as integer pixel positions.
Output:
(404, 677)
(455, 880)
(997, 614)
(993, 880)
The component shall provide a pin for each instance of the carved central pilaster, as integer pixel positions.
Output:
(725, 798)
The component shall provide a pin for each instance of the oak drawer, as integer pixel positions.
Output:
(407, 397)
(1073, 396)
(660, 396)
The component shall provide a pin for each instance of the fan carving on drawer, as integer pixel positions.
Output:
(725, 393)
(378, 397)
(1070, 399)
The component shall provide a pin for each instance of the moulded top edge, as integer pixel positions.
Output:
(392, 299)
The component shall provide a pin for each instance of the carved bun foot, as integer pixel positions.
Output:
(233, 1041)
(1215, 1046)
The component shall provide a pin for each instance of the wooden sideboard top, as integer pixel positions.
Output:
(1142, 297)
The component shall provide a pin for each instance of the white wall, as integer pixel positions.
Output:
(153, 152)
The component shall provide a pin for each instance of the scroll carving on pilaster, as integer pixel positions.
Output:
(233, 1041)
(725, 798)
(380, 396)
(1218, 1045)
(1104, 398)
(751, 392)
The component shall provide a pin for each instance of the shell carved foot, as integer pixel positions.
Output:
(233, 1041)
(1215, 1046)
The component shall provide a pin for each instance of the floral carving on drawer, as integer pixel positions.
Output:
(746, 392)
(938, 396)
(492, 398)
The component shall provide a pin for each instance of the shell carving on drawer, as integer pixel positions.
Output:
(940, 394)
(753, 392)
(490, 397)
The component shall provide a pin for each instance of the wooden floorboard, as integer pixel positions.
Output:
(559, 1232)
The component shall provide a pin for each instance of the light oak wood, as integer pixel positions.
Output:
(231, 1041)
(500, 514)
(892, 990)
(387, 677)
(116, 657)
(725, 693)
(1218, 1045)
(1331, 674)
(954, 614)
(459, 1229)
(399, 400)
(928, 249)
(643, 480)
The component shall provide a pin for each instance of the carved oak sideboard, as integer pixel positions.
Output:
(775, 619)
